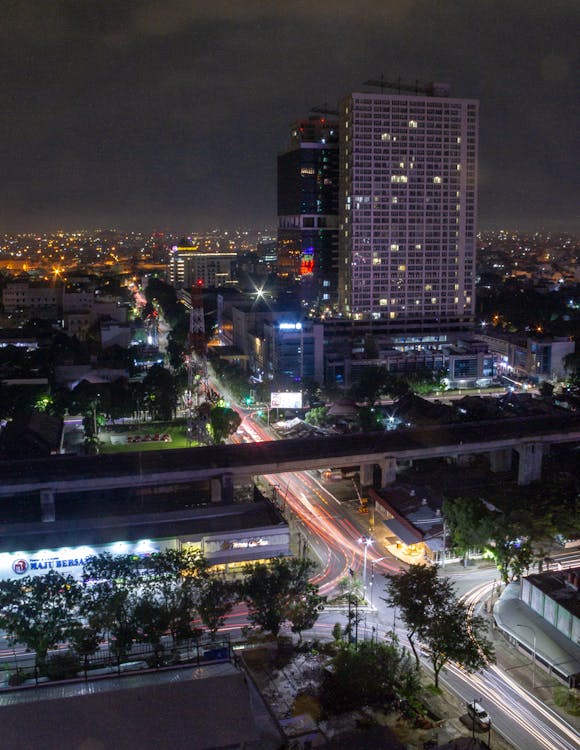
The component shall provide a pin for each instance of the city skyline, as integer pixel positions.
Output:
(166, 115)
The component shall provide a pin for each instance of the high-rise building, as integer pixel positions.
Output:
(308, 210)
(408, 208)
(188, 266)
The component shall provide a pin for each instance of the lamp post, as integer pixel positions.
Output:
(474, 701)
(366, 541)
(529, 627)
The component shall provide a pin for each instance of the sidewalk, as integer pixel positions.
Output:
(510, 613)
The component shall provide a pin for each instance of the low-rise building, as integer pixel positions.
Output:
(555, 597)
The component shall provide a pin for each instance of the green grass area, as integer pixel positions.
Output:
(177, 432)
(567, 699)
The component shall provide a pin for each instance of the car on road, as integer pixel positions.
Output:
(478, 714)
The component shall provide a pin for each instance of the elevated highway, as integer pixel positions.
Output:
(529, 437)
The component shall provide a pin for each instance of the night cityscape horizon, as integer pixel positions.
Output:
(289, 375)
(164, 114)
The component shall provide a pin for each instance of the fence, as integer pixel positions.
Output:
(20, 670)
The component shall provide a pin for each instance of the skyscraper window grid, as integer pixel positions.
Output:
(408, 208)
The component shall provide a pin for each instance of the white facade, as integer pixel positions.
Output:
(188, 266)
(408, 208)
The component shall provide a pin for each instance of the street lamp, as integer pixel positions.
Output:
(529, 627)
(366, 541)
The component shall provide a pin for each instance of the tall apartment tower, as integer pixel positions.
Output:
(408, 208)
(308, 210)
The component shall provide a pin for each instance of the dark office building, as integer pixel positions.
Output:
(308, 210)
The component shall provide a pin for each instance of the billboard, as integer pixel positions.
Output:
(286, 400)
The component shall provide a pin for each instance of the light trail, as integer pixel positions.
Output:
(500, 689)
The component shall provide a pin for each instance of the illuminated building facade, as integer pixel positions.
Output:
(307, 210)
(408, 208)
(190, 266)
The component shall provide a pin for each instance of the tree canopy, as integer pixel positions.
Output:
(434, 616)
(374, 674)
(273, 592)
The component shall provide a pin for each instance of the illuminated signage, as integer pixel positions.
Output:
(286, 400)
(250, 543)
(244, 543)
(67, 559)
(290, 326)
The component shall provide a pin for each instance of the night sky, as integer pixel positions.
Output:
(169, 114)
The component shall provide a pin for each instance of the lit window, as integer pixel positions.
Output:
(304, 171)
(428, 287)
(394, 199)
(377, 261)
(383, 302)
(399, 178)
(433, 300)
(412, 123)
(437, 180)
(385, 136)
(392, 315)
(402, 268)
(417, 247)
(459, 167)
(394, 248)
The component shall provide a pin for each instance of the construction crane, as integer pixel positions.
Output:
(428, 89)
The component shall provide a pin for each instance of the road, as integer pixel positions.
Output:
(516, 714)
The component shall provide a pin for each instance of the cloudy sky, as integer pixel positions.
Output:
(169, 114)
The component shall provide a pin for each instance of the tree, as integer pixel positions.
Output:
(371, 384)
(110, 597)
(39, 611)
(84, 641)
(470, 521)
(317, 416)
(305, 609)
(369, 419)
(174, 579)
(152, 619)
(270, 589)
(511, 553)
(216, 600)
(417, 593)
(452, 635)
(375, 674)
(160, 393)
(223, 422)
(434, 615)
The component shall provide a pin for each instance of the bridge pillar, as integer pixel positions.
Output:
(215, 488)
(222, 489)
(367, 474)
(500, 460)
(530, 468)
(388, 471)
(47, 509)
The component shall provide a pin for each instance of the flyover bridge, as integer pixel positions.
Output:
(224, 465)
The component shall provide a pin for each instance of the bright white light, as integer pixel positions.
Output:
(145, 545)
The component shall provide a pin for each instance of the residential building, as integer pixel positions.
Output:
(408, 207)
